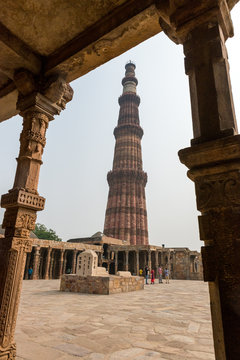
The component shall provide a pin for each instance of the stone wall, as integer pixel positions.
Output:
(100, 285)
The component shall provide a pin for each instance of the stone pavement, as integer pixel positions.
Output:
(162, 322)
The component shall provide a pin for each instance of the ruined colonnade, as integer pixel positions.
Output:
(50, 262)
(181, 262)
(51, 259)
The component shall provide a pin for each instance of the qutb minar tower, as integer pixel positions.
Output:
(126, 215)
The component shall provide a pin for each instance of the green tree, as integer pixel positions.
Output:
(43, 233)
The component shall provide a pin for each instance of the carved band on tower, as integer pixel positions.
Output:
(126, 215)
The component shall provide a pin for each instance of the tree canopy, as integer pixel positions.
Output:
(43, 233)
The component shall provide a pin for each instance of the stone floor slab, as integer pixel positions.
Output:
(164, 322)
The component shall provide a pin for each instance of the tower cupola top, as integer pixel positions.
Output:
(130, 64)
(129, 82)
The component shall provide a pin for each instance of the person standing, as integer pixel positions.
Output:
(146, 274)
(152, 277)
(30, 271)
(160, 274)
(166, 272)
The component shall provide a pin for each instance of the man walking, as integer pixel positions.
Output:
(146, 274)
(160, 274)
(166, 272)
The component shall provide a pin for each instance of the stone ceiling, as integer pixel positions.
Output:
(71, 36)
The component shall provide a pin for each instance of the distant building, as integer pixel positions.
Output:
(126, 214)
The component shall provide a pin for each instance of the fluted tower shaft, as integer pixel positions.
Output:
(126, 215)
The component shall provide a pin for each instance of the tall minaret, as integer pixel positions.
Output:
(126, 215)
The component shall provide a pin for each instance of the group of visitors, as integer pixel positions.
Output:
(152, 275)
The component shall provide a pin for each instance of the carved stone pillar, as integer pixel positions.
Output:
(65, 262)
(36, 258)
(38, 102)
(156, 263)
(61, 263)
(137, 263)
(214, 158)
(145, 259)
(174, 265)
(187, 265)
(126, 260)
(47, 266)
(74, 261)
(52, 264)
(116, 262)
(149, 260)
(161, 258)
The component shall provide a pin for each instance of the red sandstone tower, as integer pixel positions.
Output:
(126, 215)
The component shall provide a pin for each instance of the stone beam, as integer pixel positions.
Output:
(105, 25)
(21, 53)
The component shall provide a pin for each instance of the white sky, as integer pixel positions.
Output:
(80, 145)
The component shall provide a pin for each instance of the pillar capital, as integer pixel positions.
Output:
(47, 96)
(179, 18)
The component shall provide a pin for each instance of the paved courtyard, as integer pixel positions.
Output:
(163, 322)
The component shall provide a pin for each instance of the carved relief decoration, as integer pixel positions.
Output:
(26, 221)
(58, 91)
(33, 138)
(24, 199)
(18, 222)
(20, 218)
(217, 191)
(9, 306)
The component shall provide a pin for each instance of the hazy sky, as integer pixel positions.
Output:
(80, 145)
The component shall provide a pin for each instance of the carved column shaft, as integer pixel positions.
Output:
(36, 258)
(74, 261)
(137, 262)
(149, 260)
(145, 258)
(187, 266)
(126, 263)
(65, 263)
(38, 102)
(52, 264)
(206, 64)
(47, 266)
(156, 263)
(61, 263)
(116, 262)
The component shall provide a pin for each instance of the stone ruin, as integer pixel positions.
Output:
(92, 279)
(87, 265)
